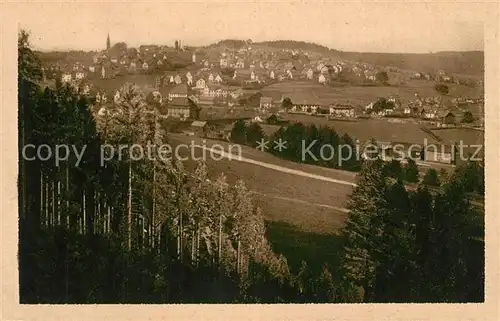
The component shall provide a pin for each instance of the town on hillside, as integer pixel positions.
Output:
(249, 171)
(290, 80)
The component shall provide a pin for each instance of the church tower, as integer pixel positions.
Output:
(108, 43)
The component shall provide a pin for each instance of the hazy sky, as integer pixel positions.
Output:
(374, 27)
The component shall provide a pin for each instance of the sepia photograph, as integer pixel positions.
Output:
(251, 153)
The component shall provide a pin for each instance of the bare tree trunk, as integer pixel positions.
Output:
(129, 205)
(181, 233)
(179, 237)
(47, 201)
(59, 203)
(53, 204)
(42, 211)
(105, 215)
(100, 222)
(67, 195)
(193, 242)
(238, 256)
(159, 239)
(84, 223)
(153, 214)
(142, 232)
(198, 244)
(108, 227)
(220, 238)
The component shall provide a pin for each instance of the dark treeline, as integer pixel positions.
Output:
(149, 231)
(415, 246)
(130, 230)
(299, 138)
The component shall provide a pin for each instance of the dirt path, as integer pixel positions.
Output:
(289, 199)
(274, 167)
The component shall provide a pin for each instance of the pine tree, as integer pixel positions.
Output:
(411, 171)
(431, 178)
(364, 227)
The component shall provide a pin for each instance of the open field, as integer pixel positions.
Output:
(309, 204)
(366, 129)
(469, 136)
(303, 215)
(298, 245)
(363, 95)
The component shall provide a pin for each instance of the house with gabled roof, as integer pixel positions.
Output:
(218, 79)
(179, 91)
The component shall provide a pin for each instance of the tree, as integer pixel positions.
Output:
(468, 117)
(254, 134)
(442, 90)
(364, 227)
(28, 76)
(394, 169)
(382, 77)
(272, 120)
(411, 172)
(119, 47)
(382, 104)
(238, 133)
(127, 126)
(287, 103)
(431, 178)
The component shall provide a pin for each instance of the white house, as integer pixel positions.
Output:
(79, 75)
(218, 79)
(66, 77)
(145, 66)
(341, 111)
(201, 83)
(92, 68)
(177, 79)
(210, 78)
(309, 73)
(321, 79)
(116, 98)
(189, 78)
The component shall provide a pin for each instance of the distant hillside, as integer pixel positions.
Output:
(453, 62)
(302, 45)
(229, 43)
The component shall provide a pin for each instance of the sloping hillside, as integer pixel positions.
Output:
(453, 62)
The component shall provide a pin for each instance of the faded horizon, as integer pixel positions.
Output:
(355, 27)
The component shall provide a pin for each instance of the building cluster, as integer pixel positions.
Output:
(186, 81)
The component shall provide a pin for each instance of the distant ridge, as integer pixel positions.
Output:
(453, 62)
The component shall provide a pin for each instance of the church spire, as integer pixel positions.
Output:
(108, 42)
